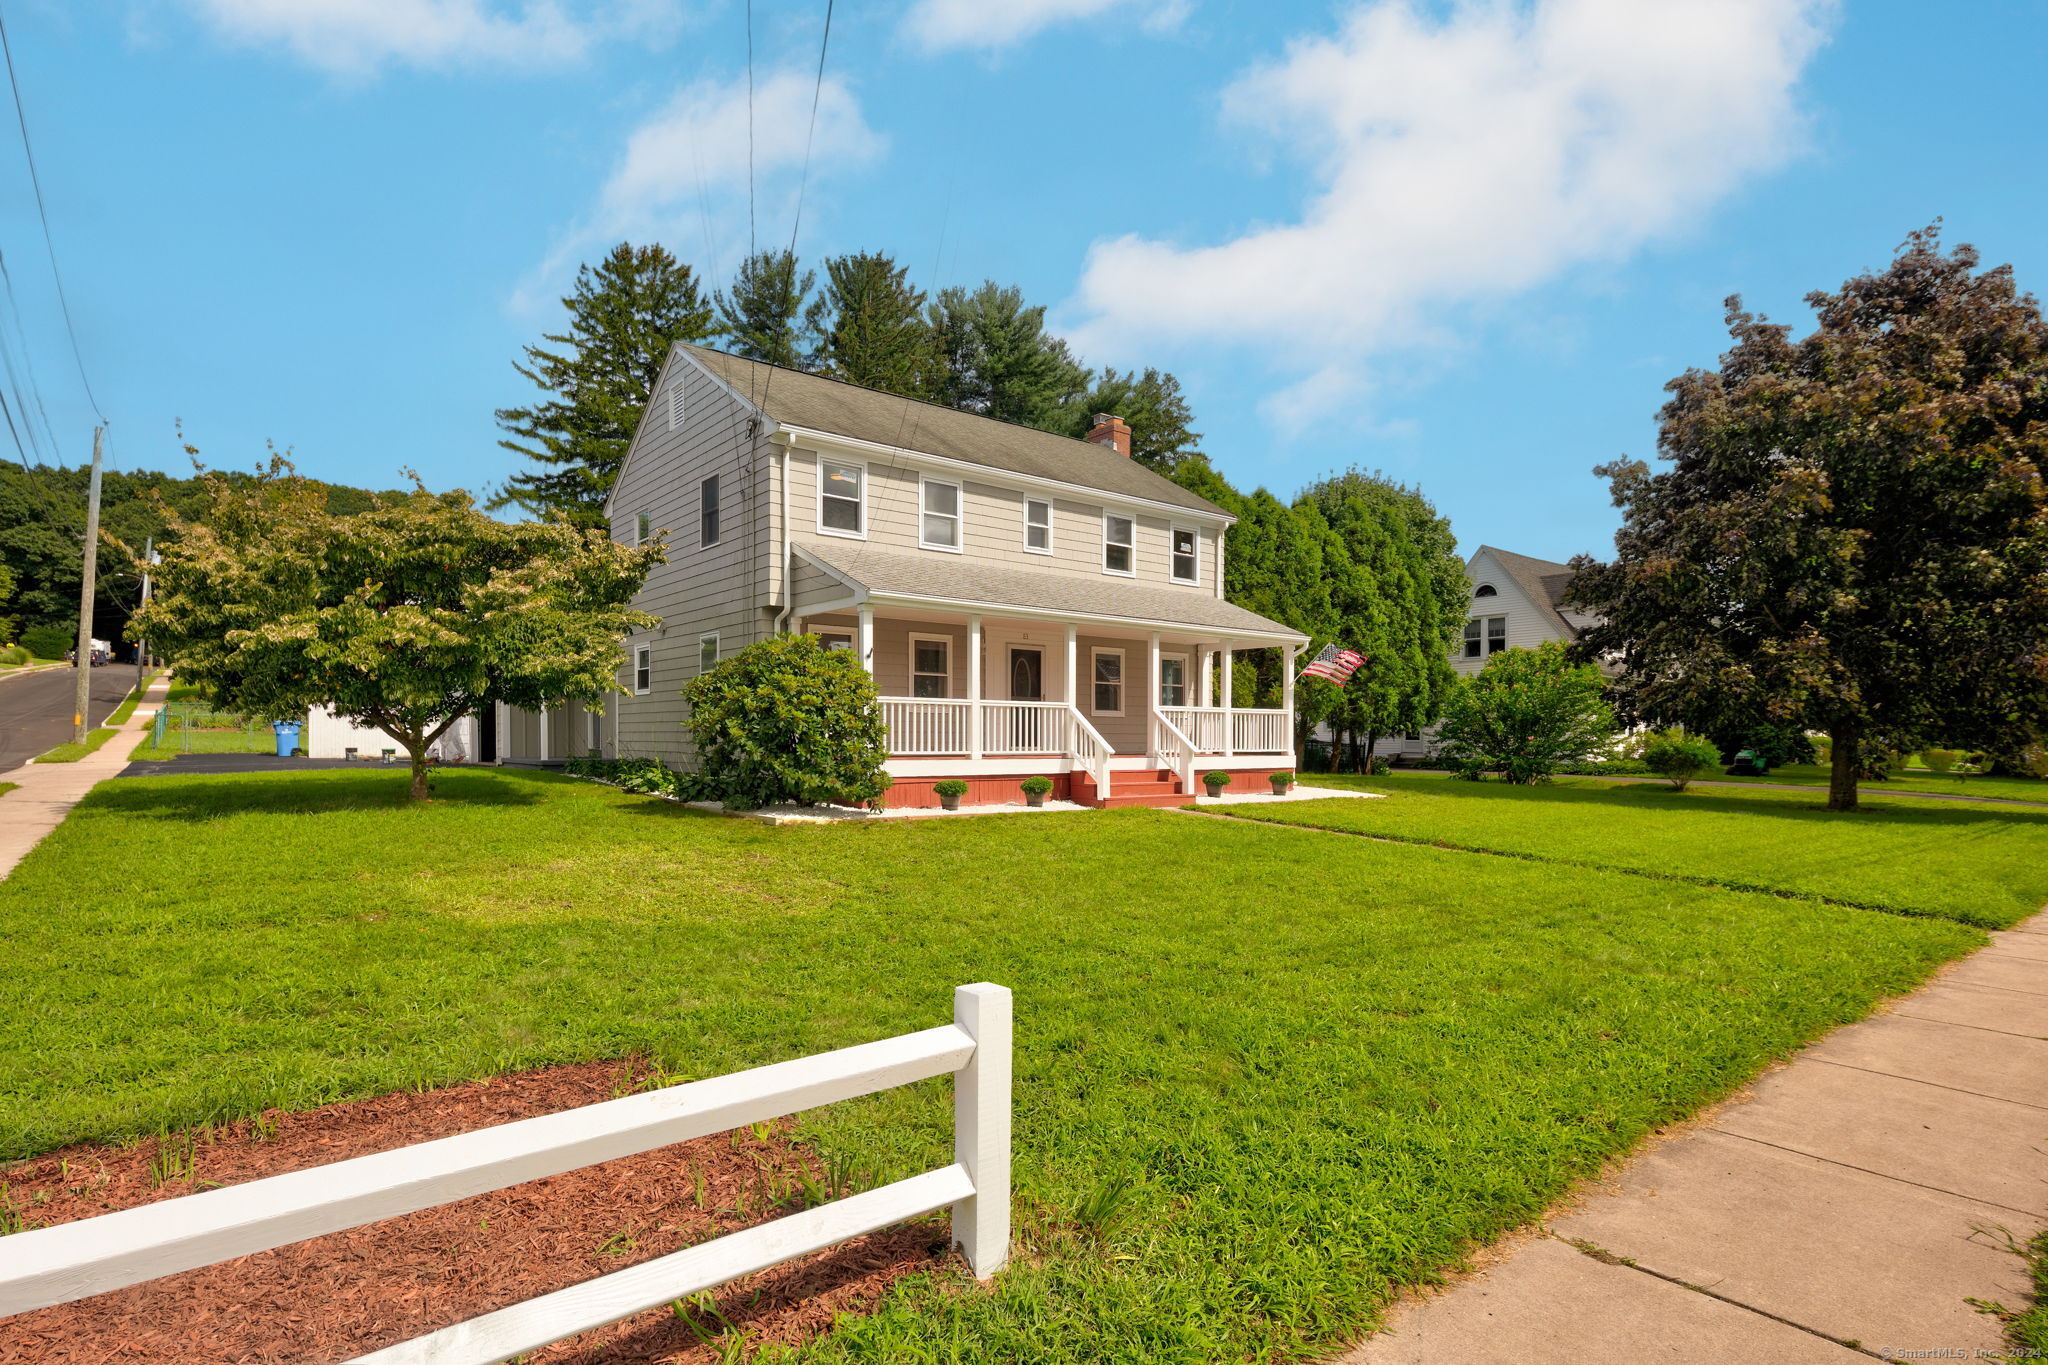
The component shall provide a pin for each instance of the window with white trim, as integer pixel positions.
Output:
(1187, 555)
(836, 641)
(1107, 669)
(1173, 680)
(1485, 635)
(1038, 526)
(931, 666)
(1117, 552)
(643, 669)
(707, 653)
(1486, 590)
(675, 405)
(842, 498)
(707, 513)
(938, 523)
(643, 528)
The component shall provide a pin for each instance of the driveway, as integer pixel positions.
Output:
(35, 709)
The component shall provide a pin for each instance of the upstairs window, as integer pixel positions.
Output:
(1038, 526)
(1485, 635)
(1116, 545)
(643, 668)
(1485, 590)
(842, 499)
(1496, 634)
(1187, 563)
(643, 527)
(939, 519)
(707, 512)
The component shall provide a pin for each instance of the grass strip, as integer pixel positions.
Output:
(1977, 864)
(6, 787)
(2027, 1330)
(73, 750)
(1262, 1082)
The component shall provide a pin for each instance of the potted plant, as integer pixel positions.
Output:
(1216, 782)
(949, 792)
(1035, 789)
(1281, 782)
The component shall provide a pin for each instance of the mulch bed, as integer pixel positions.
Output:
(337, 1296)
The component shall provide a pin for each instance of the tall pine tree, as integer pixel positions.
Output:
(1154, 407)
(624, 315)
(761, 317)
(871, 327)
(1000, 362)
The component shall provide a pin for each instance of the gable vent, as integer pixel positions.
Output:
(675, 405)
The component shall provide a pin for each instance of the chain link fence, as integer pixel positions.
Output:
(189, 727)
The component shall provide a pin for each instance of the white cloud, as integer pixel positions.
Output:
(359, 37)
(942, 25)
(683, 174)
(1461, 158)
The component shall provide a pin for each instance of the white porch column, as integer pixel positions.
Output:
(1287, 695)
(1205, 686)
(543, 734)
(1152, 734)
(974, 687)
(1073, 668)
(1228, 700)
(866, 643)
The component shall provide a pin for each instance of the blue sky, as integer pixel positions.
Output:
(1464, 244)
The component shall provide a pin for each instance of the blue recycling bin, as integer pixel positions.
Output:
(287, 732)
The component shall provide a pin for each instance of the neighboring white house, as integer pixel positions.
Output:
(1517, 603)
(1027, 603)
(331, 736)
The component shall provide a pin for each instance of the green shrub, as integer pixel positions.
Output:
(15, 655)
(1281, 779)
(789, 720)
(1604, 767)
(1219, 778)
(1035, 786)
(649, 776)
(1379, 765)
(1528, 712)
(1939, 761)
(1678, 757)
(48, 642)
(951, 786)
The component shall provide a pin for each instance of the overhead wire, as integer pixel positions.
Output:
(804, 180)
(43, 212)
(21, 401)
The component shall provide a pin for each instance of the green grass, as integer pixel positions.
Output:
(1908, 782)
(6, 787)
(2027, 1329)
(1985, 865)
(1304, 1070)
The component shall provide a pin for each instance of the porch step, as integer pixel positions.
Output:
(1157, 787)
(1165, 798)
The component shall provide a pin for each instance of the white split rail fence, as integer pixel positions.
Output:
(94, 1255)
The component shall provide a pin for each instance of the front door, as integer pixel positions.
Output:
(1027, 674)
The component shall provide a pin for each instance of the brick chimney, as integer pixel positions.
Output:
(1113, 432)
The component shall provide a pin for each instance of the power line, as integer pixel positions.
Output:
(21, 118)
(803, 181)
(28, 365)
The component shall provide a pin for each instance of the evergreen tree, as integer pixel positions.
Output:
(999, 361)
(624, 315)
(761, 318)
(1155, 409)
(870, 326)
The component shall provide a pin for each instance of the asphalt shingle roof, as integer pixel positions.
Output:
(954, 578)
(809, 400)
(1545, 582)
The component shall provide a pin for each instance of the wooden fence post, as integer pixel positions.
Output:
(981, 1127)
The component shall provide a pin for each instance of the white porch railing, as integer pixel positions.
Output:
(94, 1255)
(1261, 732)
(1024, 727)
(1174, 749)
(926, 726)
(1202, 725)
(1090, 750)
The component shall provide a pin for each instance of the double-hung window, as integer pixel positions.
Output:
(1485, 635)
(1173, 680)
(1117, 552)
(842, 499)
(938, 526)
(643, 527)
(707, 653)
(1109, 682)
(1038, 526)
(707, 513)
(1187, 559)
(931, 673)
(643, 669)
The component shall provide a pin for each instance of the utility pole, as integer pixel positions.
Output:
(86, 588)
(141, 646)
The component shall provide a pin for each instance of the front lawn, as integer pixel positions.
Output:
(1263, 1077)
(1985, 865)
(1907, 782)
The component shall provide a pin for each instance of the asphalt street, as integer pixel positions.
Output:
(35, 710)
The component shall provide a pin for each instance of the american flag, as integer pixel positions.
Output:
(1336, 665)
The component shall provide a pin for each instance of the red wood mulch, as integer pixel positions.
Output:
(349, 1292)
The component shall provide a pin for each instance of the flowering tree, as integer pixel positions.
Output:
(405, 617)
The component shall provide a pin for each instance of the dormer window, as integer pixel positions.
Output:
(1485, 590)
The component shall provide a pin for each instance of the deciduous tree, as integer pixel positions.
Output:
(1852, 536)
(1527, 713)
(404, 617)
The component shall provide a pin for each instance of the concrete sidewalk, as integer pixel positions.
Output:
(48, 791)
(1845, 1208)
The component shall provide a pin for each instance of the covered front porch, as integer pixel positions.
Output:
(1112, 714)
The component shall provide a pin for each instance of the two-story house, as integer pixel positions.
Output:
(1517, 603)
(1027, 603)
